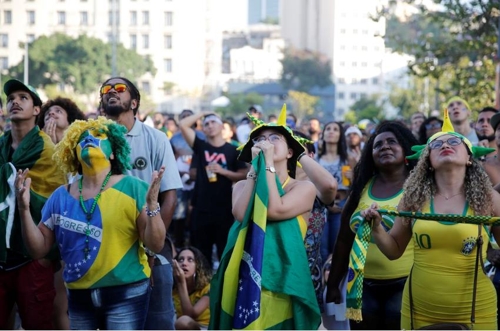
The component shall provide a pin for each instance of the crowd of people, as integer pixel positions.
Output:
(115, 220)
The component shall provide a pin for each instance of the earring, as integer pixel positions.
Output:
(407, 163)
(469, 163)
(194, 275)
(431, 169)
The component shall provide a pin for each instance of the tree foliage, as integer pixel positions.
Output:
(303, 104)
(421, 95)
(453, 43)
(303, 70)
(366, 108)
(81, 63)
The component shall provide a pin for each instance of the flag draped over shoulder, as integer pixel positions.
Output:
(35, 153)
(263, 281)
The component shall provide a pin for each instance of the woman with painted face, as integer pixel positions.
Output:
(192, 276)
(100, 224)
(447, 284)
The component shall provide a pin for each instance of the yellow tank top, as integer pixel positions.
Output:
(434, 247)
(443, 275)
(378, 266)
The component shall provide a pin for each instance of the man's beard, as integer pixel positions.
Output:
(116, 110)
(313, 131)
(489, 138)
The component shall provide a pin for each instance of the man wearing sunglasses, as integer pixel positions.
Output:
(150, 149)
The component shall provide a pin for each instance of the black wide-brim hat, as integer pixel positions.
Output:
(294, 142)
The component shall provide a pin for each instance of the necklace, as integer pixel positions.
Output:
(91, 211)
(444, 196)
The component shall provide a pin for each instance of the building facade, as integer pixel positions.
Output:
(345, 32)
(183, 38)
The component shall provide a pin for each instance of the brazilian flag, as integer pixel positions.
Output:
(263, 281)
(35, 153)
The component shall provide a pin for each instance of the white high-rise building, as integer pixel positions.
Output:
(345, 32)
(183, 38)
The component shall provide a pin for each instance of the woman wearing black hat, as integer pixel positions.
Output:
(264, 271)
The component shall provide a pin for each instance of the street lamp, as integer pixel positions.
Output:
(26, 63)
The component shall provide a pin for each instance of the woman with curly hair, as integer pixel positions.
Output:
(192, 276)
(445, 284)
(54, 118)
(378, 177)
(56, 115)
(100, 224)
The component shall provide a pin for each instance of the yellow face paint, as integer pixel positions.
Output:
(94, 151)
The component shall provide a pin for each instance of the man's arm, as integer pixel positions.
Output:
(186, 126)
(168, 201)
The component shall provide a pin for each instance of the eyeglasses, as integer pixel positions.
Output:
(433, 126)
(453, 141)
(272, 138)
(119, 87)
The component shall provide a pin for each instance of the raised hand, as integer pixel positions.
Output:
(22, 186)
(154, 187)
(266, 147)
(50, 129)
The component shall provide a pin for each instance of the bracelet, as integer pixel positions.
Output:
(252, 175)
(300, 156)
(153, 213)
(149, 252)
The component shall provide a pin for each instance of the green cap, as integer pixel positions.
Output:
(495, 120)
(16, 85)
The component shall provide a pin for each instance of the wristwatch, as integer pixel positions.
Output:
(271, 169)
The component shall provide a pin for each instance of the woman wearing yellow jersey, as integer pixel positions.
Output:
(378, 177)
(441, 286)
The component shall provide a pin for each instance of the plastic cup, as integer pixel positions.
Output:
(212, 176)
(345, 181)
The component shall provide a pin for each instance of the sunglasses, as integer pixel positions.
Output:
(119, 87)
(453, 141)
(272, 138)
(433, 126)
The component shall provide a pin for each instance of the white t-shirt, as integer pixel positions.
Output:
(150, 150)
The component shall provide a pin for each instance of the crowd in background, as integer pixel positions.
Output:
(193, 162)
